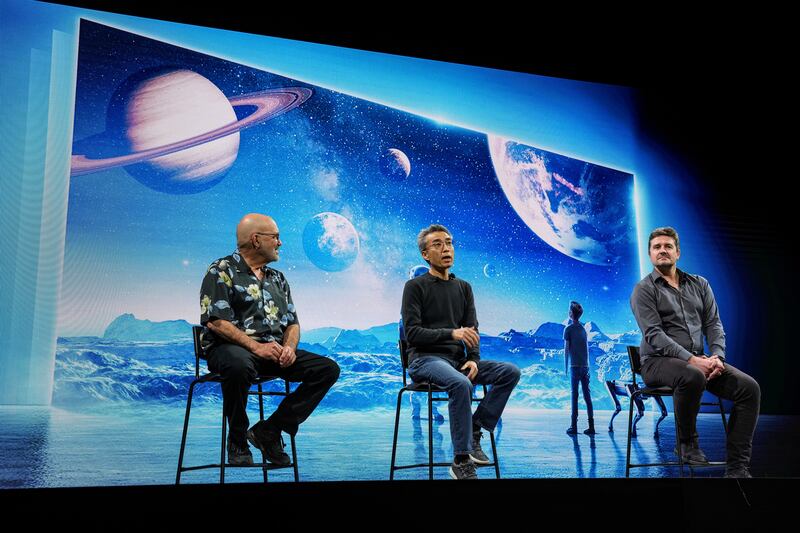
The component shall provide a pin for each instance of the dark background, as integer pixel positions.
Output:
(713, 94)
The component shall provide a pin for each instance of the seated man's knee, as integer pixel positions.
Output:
(514, 373)
(460, 385)
(332, 370)
(750, 388)
(693, 378)
(239, 368)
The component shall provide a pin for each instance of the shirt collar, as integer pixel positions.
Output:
(241, 264)
(683, 277)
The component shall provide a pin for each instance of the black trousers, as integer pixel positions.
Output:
(689, 382)
(239, 368)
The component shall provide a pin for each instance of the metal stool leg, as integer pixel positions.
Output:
(630, 427)
(430, 432)
(261, 418)
(494, 456)
(494, 446)
(294, 459)
(678, 444)
(294, 445)
(222, 451)
(185, 431)
(396, 429)
(722, 412)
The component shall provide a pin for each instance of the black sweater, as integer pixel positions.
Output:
(432, 309)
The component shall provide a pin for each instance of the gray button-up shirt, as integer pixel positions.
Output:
(673, 321)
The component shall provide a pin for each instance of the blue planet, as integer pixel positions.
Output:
(331, 242)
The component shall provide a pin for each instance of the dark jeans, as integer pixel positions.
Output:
(688, 383)
(239, 369)
(580, 376)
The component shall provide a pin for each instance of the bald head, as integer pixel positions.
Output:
(253, 223)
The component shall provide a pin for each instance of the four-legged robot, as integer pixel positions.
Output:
(626, 388)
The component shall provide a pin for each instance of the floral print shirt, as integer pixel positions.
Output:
(261, 308)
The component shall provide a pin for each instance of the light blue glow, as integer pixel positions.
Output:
(37, 62)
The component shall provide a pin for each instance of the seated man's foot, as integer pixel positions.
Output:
(737, 471)
(572, 430)
(692, 454)
(463, 470)
(270, 442)
(239, 454)
(477, 454)
(589, 431)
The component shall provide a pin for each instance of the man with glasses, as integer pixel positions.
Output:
(251, 329)
(440, 321)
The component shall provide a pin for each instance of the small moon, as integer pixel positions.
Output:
(395, 164)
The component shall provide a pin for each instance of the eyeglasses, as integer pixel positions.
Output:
(276, 235)
(438, 245)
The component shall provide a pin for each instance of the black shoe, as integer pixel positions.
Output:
(239, 455)
(465, 470)
(270, 443)
(477, 454)
(692, 454)
(737, 471)
(572, 430)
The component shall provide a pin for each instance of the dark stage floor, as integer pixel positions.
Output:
(646, 504)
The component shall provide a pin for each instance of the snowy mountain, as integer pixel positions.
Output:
(129, 328)
(593, 333)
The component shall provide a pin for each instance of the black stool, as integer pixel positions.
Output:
(430, 389)
(645, 392)
(216, 378)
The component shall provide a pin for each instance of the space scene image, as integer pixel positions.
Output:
(171, 147)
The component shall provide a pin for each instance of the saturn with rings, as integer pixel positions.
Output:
(180, 131)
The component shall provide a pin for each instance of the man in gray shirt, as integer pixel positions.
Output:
(675, 311)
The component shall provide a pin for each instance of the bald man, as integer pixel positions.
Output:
(251, 329)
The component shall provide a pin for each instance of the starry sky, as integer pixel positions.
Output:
(130, 248)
